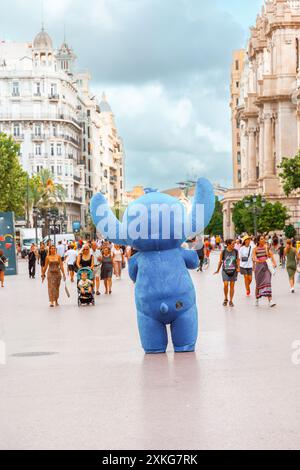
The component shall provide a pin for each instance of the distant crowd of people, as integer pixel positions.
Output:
(100, 257)
(249, 255)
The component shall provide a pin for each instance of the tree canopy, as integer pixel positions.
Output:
(13, 179)
(290, 174)
(215, 227)
(271, 217)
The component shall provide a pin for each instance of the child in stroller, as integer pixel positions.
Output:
(85, 287)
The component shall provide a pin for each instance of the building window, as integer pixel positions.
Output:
(38, 149)
(237, 84)
(238, 157)
(53, 89)
(16, 130)
(53, 170)
(58, 149)
(59, 170)
(15, 89)
(66, 171)
(239, 176)
(52, 150)
(38, 130)
(37, 89)
(54, 130)
(237, 65)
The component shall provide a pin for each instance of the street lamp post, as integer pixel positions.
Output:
(35, 212)
(255, 210)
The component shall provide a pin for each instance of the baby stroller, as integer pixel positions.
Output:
(87, 298)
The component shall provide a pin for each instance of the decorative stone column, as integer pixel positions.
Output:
(269, 164)
(270, 182)
(261, 149)
(252, 156)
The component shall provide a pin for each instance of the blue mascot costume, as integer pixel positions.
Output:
(156, 225)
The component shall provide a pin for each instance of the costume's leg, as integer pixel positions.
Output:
(184, 331)
(153, 334)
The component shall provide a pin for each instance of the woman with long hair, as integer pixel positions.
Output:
(55, 268)
(263, 276)
(107, 269)
(85, 259)
(230, 263)
(292, 258)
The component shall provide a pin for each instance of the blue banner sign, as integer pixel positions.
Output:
(76, 227)
(7, 241)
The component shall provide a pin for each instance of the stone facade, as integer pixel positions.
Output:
(267, 112)
(49, 109)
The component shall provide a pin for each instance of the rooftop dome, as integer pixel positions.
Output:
(43, 41)
(104, 105)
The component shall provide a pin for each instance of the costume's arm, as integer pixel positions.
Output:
(190, 258)
(133, 267)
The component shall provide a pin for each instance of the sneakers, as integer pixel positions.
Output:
(292, 290)
(272, 304)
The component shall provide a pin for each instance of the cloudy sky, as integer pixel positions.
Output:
(165, 67)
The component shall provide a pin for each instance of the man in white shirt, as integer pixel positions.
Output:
(61, 250)
(246, 262)
(71, 257)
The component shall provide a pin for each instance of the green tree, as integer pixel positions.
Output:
(290, 231)
(45, 194)
(270, 218)
(290, 174)
(215, 227)
(13, 179)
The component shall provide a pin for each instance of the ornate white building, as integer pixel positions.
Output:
(267, 109)
(48, 107)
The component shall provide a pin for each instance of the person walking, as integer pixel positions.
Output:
(32, 257)
(263, 276)
(42, 255)
(118, 257)
(230, 263)
(292, 258)
(96, 252)
(246, 263)
(71, 257)
(85, 258)
(3, 261)
(55, 268)
(61, 250)
(107, 269)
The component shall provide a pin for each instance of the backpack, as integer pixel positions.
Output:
(229, 263)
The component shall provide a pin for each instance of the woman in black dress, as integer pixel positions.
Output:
(85, 258)
(107, 269)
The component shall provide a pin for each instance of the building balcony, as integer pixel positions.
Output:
(54, 97)
(19, 137)
(38, 137)
(15, 94)
(11, 117)
(77, 179)
(78, 199)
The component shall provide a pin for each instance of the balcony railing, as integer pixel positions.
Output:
(19, 137)
(38, 137)
(77, 199)
(54, 97)
(77, 178)
(41, 117)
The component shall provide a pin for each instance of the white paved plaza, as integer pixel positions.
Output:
(98, 391)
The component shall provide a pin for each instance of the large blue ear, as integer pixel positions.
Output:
(203, 206)
(106, 222)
